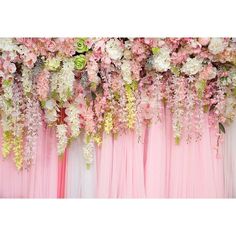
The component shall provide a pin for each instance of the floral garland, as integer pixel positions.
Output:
(96, 85)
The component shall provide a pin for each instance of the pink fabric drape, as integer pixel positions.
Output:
(130, 165)
(157, 167)
(61, 176)
(38, 182)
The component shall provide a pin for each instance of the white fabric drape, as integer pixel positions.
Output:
(80, 181)
(230, 160)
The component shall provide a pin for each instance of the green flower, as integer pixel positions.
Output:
(53, 64)
(80, 62)
(155, 50)
(81, 46)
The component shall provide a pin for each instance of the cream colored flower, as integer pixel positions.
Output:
(161, 61)
(114, 49)
(192, 66)
(217, 45)
(126, 71)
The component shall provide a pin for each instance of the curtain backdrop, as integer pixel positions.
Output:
(133, 165)
(40, 181)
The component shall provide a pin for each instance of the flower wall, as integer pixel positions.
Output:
(97, 86)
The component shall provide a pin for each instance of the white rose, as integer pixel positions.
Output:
(161, 61)
(192, 66)
(114, 49)
(217, 45)
(126, 71)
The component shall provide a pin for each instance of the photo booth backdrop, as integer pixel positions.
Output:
(117, 117)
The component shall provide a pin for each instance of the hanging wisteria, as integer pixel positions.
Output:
(111, 85)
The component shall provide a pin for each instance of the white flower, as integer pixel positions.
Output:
(51, 115)
(161, 61)
(50, 104)
(192, 66)
(126, 71)
(62, 82)
(72, 119)
(51, 111)
(89, 152)
(114, 49)
(213, 73)
(26, 79)
(61, 133)
(217, 45)
(6, 44)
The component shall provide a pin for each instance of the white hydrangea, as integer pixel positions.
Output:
(192, 66)
(126, 71)
(7, 44)
(217, 45)
(61, 133)
(72, 119)
(161, 61)
(114, 49)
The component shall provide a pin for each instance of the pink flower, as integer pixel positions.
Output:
(51, 45)
(43, 84)
(178, 58)
(138, 47)
(11, 68)
(204, 41)
(30, 59)
(209, 72)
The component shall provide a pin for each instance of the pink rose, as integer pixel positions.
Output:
(51, 46)
(30, 59)
(11, 68)
(204, 41)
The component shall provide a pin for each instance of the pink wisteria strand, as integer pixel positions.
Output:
(111, 85)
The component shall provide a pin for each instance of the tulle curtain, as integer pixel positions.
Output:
(40, 181)
(147, 164)
(80, 180)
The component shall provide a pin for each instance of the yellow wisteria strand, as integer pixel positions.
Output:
(7, 109)
(97, 139)
(108, 122)
(7, 143)
(18, 119)
(18, 152)
(130, 105)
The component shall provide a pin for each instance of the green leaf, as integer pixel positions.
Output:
(221, 128)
